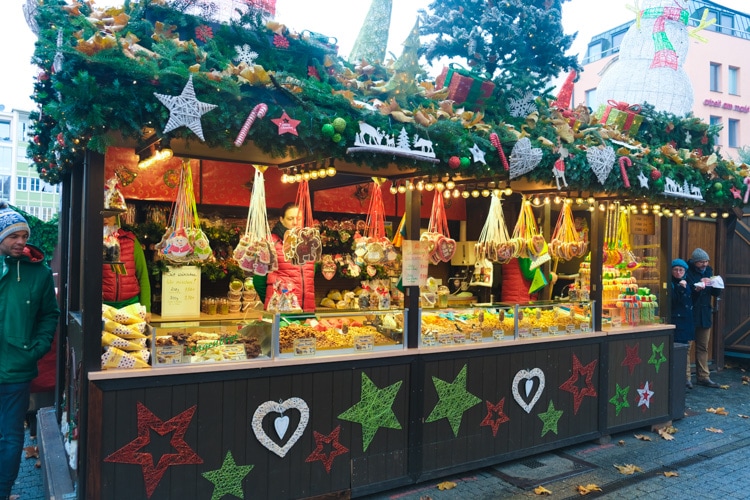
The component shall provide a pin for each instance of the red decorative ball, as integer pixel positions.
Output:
(454, 162)
(36, 139)
(655, 174)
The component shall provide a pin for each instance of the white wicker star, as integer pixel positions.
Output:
(643, 180)
(477, 154)
(185, 110)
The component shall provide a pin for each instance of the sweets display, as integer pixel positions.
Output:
(210, 344)
(342, 333)
(124, 337)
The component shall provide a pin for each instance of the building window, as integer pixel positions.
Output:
(6, 159)
(715, 76)
(715, 121)
(733, 85)
(617, 40)
(590, 98)
(21, 184)
(34, 184)
(4, 131)
(5, 187)
(595, 50)
(725, 22)
(23, 128)
(733, 131)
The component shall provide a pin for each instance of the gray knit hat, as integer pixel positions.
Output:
(11, 221)
(698, 255)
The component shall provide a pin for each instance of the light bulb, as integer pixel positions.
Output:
(410, 186)
(475, 193)
(537, 201)
(703, 214)
(579, 201)
(713, 215)
(420, 185)
(393, 189)
(456, 193)
(298, 177)
(591, 200)
(546, 200)
(306, 176)
(725, 215)
(429, 186)
(485, 192)
(322, 173)
(314, 174)
(439, 186)
(446, 194)
(401, 189)
(602, 207)
(508, 191)
(450, 184)
(331, 171)
(464, 194)
(496, 192)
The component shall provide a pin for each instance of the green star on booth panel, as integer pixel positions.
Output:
(374, 410)
(228, 479)
(620, 399)
(550, 418)
(453, 400)
(653, 360)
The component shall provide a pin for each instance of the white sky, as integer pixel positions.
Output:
(336, 18)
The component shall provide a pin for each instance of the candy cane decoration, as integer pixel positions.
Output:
(258, 111)
(495, 140)
(746, 180)
(623, 161)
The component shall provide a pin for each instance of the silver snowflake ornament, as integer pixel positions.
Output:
(522, 106)
(245, 54)
(185, 109)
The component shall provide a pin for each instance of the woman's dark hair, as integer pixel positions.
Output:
(286, 207)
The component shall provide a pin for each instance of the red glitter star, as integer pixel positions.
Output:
(736, 192)
(319, 454)
(147, 422)
(631, 358)
(493, 410)
(571, 386)
(286, 124)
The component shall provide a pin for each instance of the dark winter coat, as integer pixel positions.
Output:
(301, 277)
(28, 315)
(682, 311)
(702, 303)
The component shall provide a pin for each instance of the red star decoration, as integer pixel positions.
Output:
(736, 193)
(147, 422)
(631, 357)
(571, 386)
(493, 410)
(286, 124)
(319, 454)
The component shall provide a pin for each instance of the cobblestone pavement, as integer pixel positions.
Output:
(710, 465)
(28, 485)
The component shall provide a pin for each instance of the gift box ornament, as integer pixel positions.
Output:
(621, 115)
(464, 86)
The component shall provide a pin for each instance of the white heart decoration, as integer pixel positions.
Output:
(272, 406)
(528, 375)
(523, 159)
(601, 160)
(281, 424)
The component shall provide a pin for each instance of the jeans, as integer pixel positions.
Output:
(14, 402)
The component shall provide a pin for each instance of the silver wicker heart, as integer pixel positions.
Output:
(524, 158)
(281, 423)
(601, 159)
(528, 377)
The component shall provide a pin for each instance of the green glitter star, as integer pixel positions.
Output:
(228, 479)
(550, 418)
(653, 360)
(374, 410)
(622, 392)
(453, 400)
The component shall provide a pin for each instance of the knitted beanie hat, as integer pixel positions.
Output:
(699, 254)
(11, 221)
(680, 262)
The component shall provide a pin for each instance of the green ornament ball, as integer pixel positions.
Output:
(328, 130)
(659, 184)
(339, 124)
(336, 138)
(465, 162)
(718, 186)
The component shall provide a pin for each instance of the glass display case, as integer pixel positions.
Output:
(336, 333)
(553, 318)
(189, 342)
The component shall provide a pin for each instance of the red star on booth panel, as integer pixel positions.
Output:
(147, 422)
(571, 385)
(495, 416)
(336, 448)
(631, 357)
(286, 124)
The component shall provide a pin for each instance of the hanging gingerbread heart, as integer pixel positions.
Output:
(524, 158)
(328, 267)
(601, 159)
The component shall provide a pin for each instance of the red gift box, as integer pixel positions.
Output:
(464, 86)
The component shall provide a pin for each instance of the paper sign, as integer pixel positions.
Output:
(181, 292)
(414, 263)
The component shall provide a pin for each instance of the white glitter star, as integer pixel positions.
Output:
(643, 180)
(645, 395)
(185, 109)
(477, 154)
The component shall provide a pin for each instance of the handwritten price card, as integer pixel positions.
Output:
(181, 292)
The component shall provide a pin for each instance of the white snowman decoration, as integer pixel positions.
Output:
(652, 54)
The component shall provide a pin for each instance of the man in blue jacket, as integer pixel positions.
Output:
(699, 277)
(28, 319)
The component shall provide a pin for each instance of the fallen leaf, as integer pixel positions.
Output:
(671, 474)
(585, 490)
(742, 416)
(31, 452)
(628, 469)
(446, 485)
(38, 464)
(745, 379)
(666, 435)
(712, 429)
(621, 442)
(541, 490)
(725, 386)
(642, 437)
(718, 411)
(671, 429)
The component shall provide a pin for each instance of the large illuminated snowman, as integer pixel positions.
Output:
(652, 55)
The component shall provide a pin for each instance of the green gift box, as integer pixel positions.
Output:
(621, 116)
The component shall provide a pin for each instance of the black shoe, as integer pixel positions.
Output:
(708, 383)
(689, 384)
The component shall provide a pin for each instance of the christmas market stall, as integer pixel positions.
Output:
(490, 261)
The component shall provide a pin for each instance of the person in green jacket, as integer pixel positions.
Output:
(28, 320)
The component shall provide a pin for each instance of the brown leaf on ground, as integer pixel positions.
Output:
(425, 497)
(712, 429)
(665, 434)
(745, 379)
(541, 490)
(31, 452)
(446, 485)
(621, 442)
(38, 464)
(642, 437)
(628, 469)
(585, 490)
(718, 411)
(724, 386)
(743, 416)
(671, 474)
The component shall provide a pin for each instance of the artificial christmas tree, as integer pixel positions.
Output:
(372, 40)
